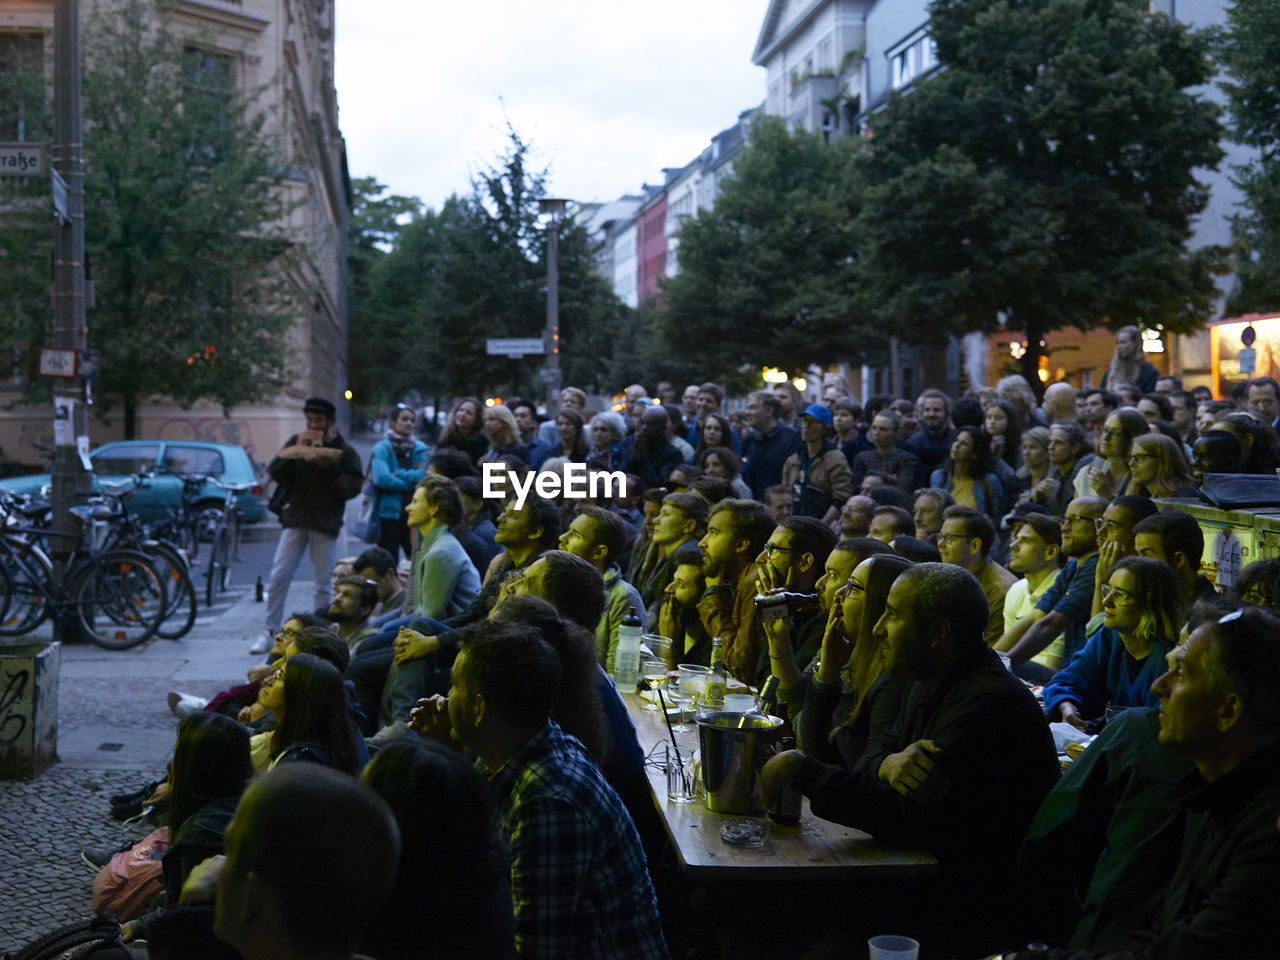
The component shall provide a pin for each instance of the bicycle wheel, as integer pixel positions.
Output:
(28, 604)
(215, 573)
(180, 611)
(119, 599)
(6, 591)
(233, 549)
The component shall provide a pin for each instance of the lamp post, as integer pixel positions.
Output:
(553, 209)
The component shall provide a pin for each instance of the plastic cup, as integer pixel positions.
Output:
(658, 645)
(738, 702)
(693, 678)
(892, 947)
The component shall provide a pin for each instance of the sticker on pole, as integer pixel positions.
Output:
(57, 362)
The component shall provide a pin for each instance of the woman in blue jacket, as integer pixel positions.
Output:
(398, 462)
(1142, 608)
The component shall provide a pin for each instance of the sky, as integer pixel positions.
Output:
(607, 93)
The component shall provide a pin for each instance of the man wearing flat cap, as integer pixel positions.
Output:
(318, 472)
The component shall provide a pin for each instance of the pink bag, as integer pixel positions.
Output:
(129, 885)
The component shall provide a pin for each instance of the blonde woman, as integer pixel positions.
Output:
(1158, 468)
(1128, 364)
(503, 433)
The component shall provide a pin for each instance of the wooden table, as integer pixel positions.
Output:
(814, 850)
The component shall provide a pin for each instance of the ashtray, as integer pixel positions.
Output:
(744, 831)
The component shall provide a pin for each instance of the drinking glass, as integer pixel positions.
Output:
(681, 699)
(654, 675)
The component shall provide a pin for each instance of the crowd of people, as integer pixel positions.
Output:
(981, 568)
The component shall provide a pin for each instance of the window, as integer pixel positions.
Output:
(122, 459)
(917, 57)
(184, 459)
(824, 55)
(208, 81)
(23, 117)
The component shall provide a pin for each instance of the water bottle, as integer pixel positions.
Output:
(626, 659)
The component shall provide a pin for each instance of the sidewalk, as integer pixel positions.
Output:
(115, 734)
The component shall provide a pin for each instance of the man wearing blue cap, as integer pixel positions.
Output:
(818, 473)
(318, 472)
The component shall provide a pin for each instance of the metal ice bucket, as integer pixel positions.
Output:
(734, 748)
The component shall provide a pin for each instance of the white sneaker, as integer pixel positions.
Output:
(183, 705)
(262, 644)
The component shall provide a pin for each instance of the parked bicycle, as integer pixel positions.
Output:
(127, 532)
(225, 550)
(116, 597)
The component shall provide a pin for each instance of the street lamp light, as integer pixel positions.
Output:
(552, 208)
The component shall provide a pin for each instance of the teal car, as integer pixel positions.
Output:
(160, 494)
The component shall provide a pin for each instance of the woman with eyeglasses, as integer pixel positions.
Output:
(1158, 468)
(1110, 468)
(852, 696)
(1142, 606)
(313, 720)
(851, 668)
(398, 461)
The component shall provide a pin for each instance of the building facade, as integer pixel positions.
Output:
(284, 48)
(831, 64)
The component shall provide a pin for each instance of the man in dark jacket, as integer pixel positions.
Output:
(319, 472)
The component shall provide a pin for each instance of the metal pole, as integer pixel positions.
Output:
(68, 274)
(553, 317)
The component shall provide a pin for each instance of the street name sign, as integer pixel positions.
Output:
(22, 160)
(513, 347)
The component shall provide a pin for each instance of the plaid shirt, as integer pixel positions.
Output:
(579, 881)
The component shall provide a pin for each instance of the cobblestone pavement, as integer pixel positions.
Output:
(115, 733)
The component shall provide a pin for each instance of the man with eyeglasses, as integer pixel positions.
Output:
(1066, 606)
(1115, 537)
(965, 540)
(599, 536)
(1219, 709)
(855, 516)
(794, 560)
(353, 603)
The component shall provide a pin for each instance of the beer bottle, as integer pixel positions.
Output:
(717, 682)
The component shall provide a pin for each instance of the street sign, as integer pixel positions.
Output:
(60, 198)
(1248, 357)
(22, 160)
(513, 346)
(57, 362)
(89, 361)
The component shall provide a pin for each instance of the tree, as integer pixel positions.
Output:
(374, 228)
(184, 211)
(1250, 51)
(1045, 174)
(765, 275)
(477, 269)
(183, 195)
(25, 239)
